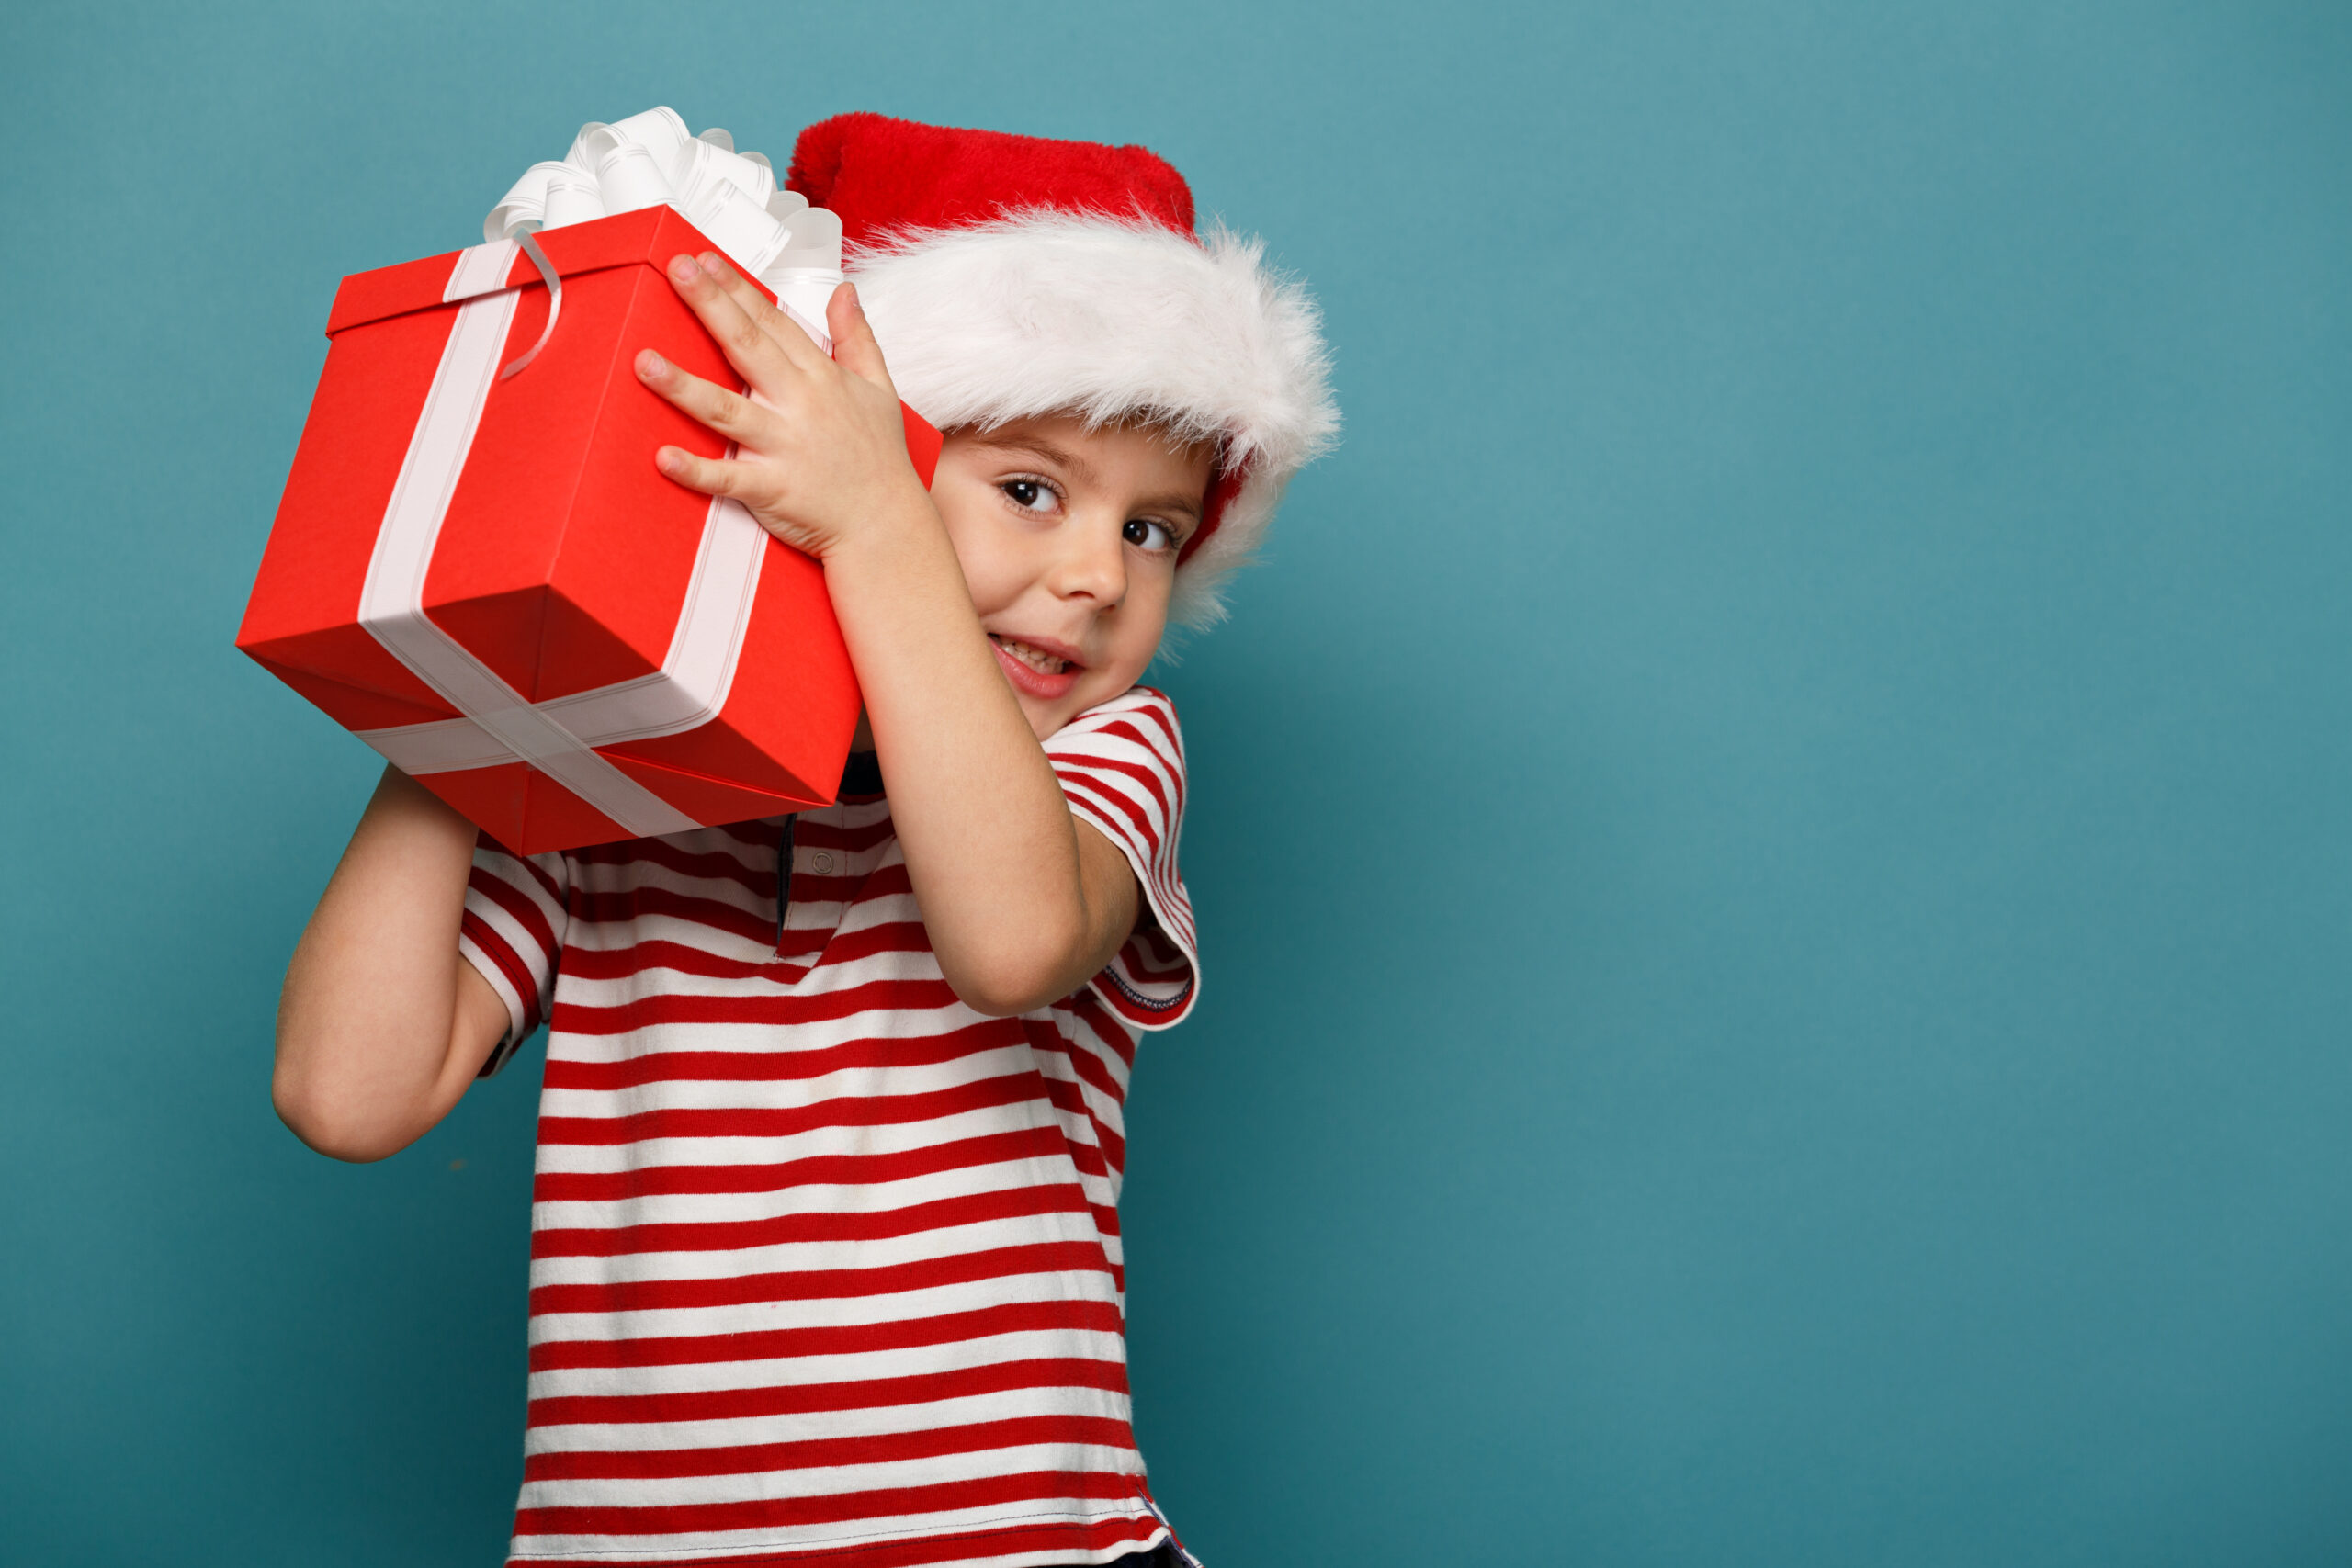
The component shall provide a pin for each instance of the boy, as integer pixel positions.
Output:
(825, 1250)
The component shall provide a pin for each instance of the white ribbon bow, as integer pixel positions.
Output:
(731, 197)
(649, 159)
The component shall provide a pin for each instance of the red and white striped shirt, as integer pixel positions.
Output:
(825, 1265)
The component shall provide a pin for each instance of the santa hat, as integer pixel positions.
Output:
(1008, 276)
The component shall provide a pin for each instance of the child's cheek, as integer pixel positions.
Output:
(994, 587)
(977, 551)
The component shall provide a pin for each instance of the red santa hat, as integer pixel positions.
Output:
(1008, 276)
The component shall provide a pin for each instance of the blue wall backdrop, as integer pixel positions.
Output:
(1774, 836)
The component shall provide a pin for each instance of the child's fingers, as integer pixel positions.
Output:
(757, 354)
(713, 476)
(753, 484)
(789, 335)
(731, 414)
(854, 349)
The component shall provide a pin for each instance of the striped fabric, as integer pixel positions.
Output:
(825, 1266)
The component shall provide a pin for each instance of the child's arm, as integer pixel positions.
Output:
(383, 1023)
(1022, 902)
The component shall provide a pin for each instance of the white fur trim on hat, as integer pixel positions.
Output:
(1047, 312)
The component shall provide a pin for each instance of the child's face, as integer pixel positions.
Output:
(1067, 537)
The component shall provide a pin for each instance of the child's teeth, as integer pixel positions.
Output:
(1044, 664)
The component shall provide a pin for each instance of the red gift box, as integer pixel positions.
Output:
(487, 579)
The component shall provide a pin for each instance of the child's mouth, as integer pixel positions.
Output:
(1034, 671)
(1037, 659)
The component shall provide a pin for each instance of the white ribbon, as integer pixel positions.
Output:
(649, 159)
(499, 724)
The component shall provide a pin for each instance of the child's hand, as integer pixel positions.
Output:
(821, 448)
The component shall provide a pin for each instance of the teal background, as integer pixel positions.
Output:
(1772, 835)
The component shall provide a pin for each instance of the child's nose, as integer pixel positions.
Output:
(1092, 562)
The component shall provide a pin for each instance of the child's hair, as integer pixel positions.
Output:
(1012, 276)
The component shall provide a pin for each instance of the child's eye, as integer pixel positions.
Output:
(1030, 495)
(1145, 534)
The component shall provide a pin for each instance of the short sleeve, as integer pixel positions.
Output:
(1122, 767)
(513, 933)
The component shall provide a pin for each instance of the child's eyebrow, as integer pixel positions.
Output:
(1030, 445)
(1186, 504)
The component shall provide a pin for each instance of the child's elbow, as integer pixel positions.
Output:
(1002, 995)
(1012, 980)
(333, 1125)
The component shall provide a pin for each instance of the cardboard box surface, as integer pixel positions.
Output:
(563, 555)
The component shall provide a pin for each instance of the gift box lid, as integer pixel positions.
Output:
(649, 237)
